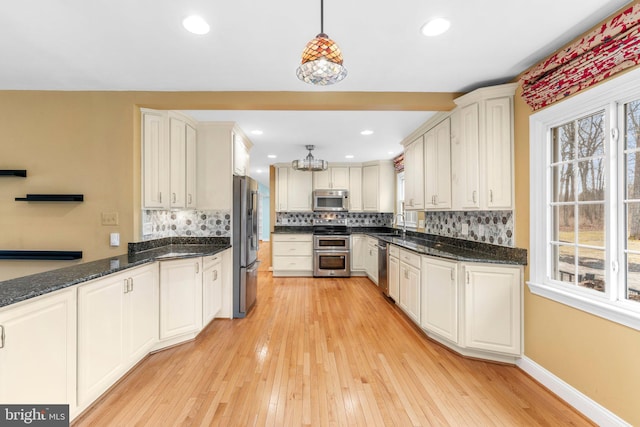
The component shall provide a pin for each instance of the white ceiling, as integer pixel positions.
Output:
(256, 46)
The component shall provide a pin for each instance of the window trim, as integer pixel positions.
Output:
(607, 95)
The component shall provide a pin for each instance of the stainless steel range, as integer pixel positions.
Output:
(331, 248)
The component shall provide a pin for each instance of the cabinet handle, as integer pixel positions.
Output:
(473, 196)
(160, 196)
(126, 286)
(130, 284)
(452, 275)
(190, 198)
(491, 196)
(173, 197)
(468, 277)
(1, 336)
(215, 275)
(197, 268)
(406, 274)
(435, 199)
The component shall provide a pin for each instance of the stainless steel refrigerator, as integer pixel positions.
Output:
(245, 244)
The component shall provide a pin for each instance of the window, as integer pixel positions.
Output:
(411, 217)
(585, 201)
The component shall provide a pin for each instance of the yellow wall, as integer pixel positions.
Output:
(89, 143)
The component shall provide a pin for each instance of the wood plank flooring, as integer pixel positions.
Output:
(323, 352)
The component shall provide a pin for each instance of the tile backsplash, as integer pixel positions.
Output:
(354, 219)
(160, 224)
(494, 227)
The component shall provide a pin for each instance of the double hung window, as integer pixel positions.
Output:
(585, 201)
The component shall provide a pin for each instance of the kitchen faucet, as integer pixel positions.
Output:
(404, 224)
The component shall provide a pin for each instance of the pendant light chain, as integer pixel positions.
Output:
(321, 16)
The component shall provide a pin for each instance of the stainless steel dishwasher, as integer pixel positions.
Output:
(383, 280)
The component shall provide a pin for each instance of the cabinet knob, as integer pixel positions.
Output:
(173, 197)
(1, 336)
(190, 198)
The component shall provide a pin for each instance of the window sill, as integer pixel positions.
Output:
(606, 310)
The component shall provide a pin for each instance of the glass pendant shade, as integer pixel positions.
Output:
(321, 62)
(309, 163)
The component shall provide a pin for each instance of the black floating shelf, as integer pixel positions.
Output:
(41, 255)
(51, 198)
(13, 172)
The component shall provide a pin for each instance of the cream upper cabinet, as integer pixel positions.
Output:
(492, 313)
(293, 190)
(182, 143)
(465, 156)
(440, 297)
(155, 160)
(240, 155)
(38, 350)
(378, 183)
(437, 166)
(414, 175)
(485, 122)
(355, 188)
(215, 163)
(335, 177)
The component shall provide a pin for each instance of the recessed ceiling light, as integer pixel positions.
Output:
(195, 24)
(271, 156)
(366, 132)
(256, 132)
(435, 27)
(349, 156)
(258, 170)
(390, 152)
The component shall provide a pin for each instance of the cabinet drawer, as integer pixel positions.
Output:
(293, 263)
(410, 258)
(292, 248)
(209, 261)
(394, 251)
(292, 237)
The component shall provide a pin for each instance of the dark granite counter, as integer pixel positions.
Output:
(286, 229)
(23, 288)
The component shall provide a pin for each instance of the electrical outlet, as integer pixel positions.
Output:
(114, 239)
(480, 230)
(465, 228)
(109, 218)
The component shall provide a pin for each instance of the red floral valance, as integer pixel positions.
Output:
(398, 162)
(605, 51)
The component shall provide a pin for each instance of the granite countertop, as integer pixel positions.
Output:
(23, 288)
(438, 246)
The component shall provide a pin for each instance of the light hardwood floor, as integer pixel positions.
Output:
(323, 352)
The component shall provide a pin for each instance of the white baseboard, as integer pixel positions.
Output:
(582, 403)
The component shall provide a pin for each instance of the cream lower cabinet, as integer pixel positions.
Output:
(292, 254)
(371, 259)
(492, 308)
(410, 284)
(212, 278)
(38, 351)
(117, 326)
(180, 300)
(358, 253)
(393, 272)
(439, 311)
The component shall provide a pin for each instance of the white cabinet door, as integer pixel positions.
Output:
(180, 297)
(410, 290)
(299, 189)
(355, 188)
(282, 189)
(215, 166)
(499, 154)
(370, 188)
(358, 252)
(240, 156)
(38, 350)
(191, 167)
(101, 344)
(178, 161)
(322, 180)
(211, 288)
(414, 178)
(117, 326)
(340, 178)
(142, 313)
(371, 259)
(493, 308)
(439, 311)
(155, 158)
(438, 166)
(393, 273)
(465, 156)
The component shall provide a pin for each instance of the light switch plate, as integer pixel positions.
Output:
(465, 228)
(114, 239)
(109, 218)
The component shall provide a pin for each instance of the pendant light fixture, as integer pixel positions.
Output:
(321, 59)
(310, 164)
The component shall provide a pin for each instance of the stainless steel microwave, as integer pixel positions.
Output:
(331, 200)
